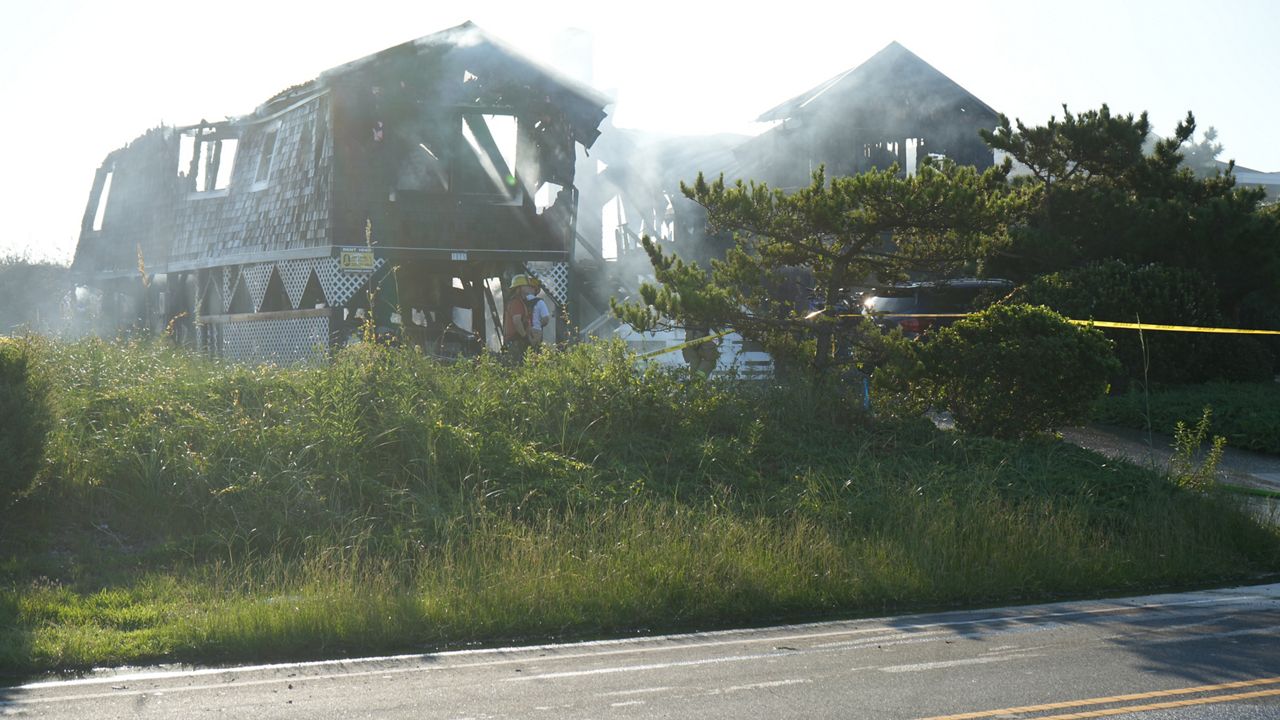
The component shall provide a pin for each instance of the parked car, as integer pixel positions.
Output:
(892, 306)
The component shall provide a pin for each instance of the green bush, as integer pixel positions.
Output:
(1117, 292)
(1017, 370)
(24, 420)
(1260, 310)
(31, 295)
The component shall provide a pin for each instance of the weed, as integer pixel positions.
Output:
(194, 511)
(1187, 468)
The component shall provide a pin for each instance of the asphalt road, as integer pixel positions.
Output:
(1187, 656)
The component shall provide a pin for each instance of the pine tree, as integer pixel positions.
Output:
(820, 242)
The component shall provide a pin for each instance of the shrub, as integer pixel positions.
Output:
(1247, 414)
(31, 294)
(24, 421)
(1260, 310)
(1117, 292)
(1017, 370)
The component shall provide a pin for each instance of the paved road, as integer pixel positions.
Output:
(1198, 655)
(1242, 467)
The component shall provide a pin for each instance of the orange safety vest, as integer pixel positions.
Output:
(514, 308)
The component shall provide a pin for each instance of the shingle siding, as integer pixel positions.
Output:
(288, 211)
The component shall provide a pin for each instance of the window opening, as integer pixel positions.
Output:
(546, 196)
(265, 158)
(224, 157)
(209, 160)
(490, 165)
(322, 127)
(613, 218)
(101, 211)
(304, 146)
(186, 151)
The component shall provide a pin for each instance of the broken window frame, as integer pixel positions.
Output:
(267, 152)
(211, 147)
(104, 195)
(498, 192)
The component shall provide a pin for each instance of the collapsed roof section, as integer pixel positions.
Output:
(452, 145)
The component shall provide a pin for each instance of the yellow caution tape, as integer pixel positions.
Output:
(682, 346)
(1093, 323)
(1171, 328)
(1096, 323)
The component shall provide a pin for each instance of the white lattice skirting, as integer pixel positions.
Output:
(283, 342)
(338, 285)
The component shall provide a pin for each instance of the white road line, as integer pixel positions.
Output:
(985, 659)
(628, 703)
(645, 668)
(641, 691)
(767, 685)
(883, 639)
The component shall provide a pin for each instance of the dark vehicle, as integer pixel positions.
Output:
(895, 306)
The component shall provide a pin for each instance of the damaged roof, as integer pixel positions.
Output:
(894, 74)
(469, 43)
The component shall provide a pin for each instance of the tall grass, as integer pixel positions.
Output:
(189, 510)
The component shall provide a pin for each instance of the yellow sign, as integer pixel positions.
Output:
(356, 260)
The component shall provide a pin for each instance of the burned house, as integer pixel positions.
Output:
(630, 189)
(428, 174)
(893, 108)
(409, 184)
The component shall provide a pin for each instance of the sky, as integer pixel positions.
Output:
(81, 78)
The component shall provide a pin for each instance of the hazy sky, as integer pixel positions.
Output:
(81, 78)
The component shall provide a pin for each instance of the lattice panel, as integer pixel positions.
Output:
(295, 274)
(283, 342)
(256, 277)
(237, 279)
(203, 291)
(339, 286)
(228, 273)
(554, 277)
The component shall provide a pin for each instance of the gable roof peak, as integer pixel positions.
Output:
(891, 60)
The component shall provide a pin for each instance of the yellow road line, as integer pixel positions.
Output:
(1165, 705)
(1114, 699)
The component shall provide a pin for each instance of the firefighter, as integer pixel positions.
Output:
(516, 329)
(539, 313)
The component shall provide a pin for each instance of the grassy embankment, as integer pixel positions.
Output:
(190, 511)
(1246, 414)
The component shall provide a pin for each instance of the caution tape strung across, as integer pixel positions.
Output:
(1092, 323)
(684, 345)
(1095, 323)
(1171, 328)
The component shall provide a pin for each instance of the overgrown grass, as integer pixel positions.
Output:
(187, 510)
(1246, 414)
